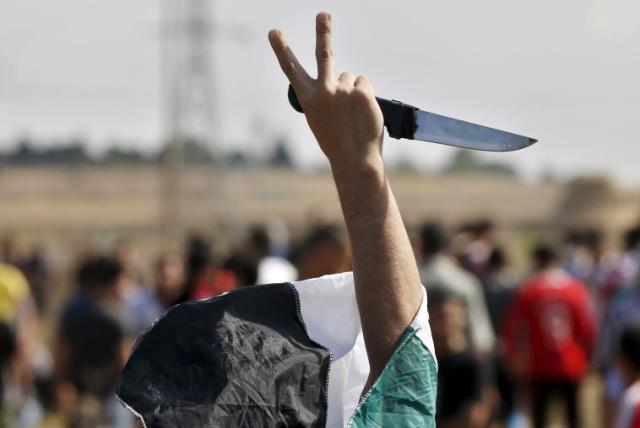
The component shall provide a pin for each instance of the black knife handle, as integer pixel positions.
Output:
(399, 118)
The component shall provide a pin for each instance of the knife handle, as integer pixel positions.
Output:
(399, 118)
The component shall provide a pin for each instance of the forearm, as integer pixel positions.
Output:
(347, 122)
(386, 277)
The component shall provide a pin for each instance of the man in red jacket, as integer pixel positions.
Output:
(549, 334)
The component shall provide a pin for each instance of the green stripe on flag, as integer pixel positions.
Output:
(405, 393)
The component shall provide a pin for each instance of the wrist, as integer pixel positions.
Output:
(357, 168)
(361, 186)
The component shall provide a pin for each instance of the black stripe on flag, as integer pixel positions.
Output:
(238, 360)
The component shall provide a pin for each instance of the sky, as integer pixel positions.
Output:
(565, 72)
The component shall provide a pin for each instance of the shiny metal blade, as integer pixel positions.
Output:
(453, 132)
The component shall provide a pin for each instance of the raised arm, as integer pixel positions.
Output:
(347, 122)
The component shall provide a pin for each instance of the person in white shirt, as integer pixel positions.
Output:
(440, 269)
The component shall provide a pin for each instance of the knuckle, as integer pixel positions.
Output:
(342, 90)
(324, 54)
(362, 82)
(289, 66)
(360, 93)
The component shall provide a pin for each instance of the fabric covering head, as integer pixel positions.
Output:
(272, 355)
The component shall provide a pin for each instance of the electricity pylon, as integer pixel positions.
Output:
(188, 98)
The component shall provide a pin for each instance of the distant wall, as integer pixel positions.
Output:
(85, 200)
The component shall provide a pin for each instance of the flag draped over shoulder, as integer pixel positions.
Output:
(277, 355)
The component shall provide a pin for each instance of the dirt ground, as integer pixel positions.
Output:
(85, 202)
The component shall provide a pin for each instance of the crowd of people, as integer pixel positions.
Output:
(509, 341)
(510, 344)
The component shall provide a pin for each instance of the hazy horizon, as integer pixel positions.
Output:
(565, 73)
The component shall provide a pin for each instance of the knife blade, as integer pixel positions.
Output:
(411, 123)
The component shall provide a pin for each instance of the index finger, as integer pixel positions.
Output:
(324, 48)
(295, 72)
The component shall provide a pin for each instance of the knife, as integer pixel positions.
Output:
(411, 123)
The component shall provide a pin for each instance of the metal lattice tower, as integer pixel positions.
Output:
(188, 97)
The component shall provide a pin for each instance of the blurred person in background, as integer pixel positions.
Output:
(628, 362)
(36, 268)
(9, 253)
(574, 257)
(92, 346)
(204, 277)
(620, 307)
(243, 268)
(325, 250)
(169, 278)
(500, 286)
(279, 238)
(479, 248)
(584, 257)
(599, 260)
(461, 399)
(7, 354)
(141, 303)
(438, 267)
(549, 334)
(272, 267)
(18, 341)
(125, 251)
(626, 273)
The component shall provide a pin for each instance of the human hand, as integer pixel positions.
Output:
(342, 113)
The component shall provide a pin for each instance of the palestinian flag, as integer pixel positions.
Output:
(278, 355)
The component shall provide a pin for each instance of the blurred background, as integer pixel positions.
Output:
(148, 156)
